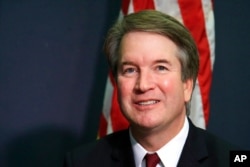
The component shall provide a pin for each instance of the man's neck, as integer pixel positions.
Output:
(153, 139)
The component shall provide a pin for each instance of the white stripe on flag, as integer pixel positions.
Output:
(196, 112)
(209, 21)
(107, 105)
(170, 7)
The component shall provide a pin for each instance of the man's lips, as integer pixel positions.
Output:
(146, 102)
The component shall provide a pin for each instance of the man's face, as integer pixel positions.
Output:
(151, 93)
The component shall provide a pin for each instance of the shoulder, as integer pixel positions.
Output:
(212, 142)
(99, 150)
(215, 143)
(108, 142)
(203, 147)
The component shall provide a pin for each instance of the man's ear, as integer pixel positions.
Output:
(188, 86)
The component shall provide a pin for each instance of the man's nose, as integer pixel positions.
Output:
(145, 82)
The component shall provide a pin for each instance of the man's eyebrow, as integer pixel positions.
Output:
(162, 61)
(127, 63)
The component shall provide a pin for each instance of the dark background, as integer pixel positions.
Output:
(53, 75)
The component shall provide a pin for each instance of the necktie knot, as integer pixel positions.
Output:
(152, 160)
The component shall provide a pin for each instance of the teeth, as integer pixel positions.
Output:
(148, 102)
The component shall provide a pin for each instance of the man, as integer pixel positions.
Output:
(155, 63)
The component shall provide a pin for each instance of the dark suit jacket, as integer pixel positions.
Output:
(201, 149)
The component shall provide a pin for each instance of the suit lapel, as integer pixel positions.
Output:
(194, 151)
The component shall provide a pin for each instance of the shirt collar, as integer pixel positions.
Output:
(169, 153)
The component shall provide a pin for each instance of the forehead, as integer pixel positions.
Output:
(146, 46)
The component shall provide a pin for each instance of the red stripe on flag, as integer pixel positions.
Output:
(125, 4)
(103, 126)
(193, 18)
(118, 120)
(143, 5)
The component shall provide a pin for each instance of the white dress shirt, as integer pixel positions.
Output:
(169, 153)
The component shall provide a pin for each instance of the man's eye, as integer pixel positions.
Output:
(161, 68)
(129, 70)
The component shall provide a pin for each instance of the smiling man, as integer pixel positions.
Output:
(152, 94)
(155, 63)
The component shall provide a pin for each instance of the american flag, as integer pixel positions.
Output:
(198, 17)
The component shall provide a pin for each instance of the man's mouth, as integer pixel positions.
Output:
(149, 102)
